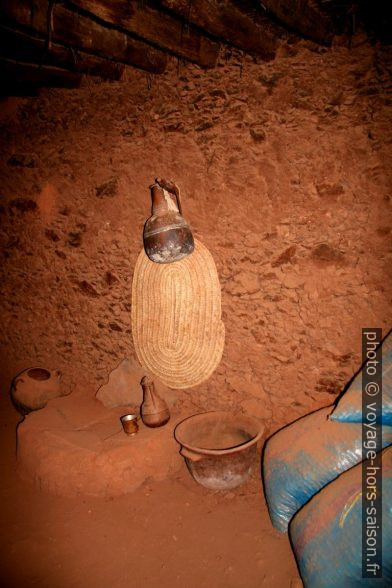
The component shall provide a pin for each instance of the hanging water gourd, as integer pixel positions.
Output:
(167, 236)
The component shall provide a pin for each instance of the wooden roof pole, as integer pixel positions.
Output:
(18, 77)
(158, 28)
(225, 21)
(19, 45)
(300, 16)
(72, 29)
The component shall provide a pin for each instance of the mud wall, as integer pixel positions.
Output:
(285, 171)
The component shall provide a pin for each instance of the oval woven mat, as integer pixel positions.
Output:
(176, 318)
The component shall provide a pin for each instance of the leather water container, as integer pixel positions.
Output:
(167, 236)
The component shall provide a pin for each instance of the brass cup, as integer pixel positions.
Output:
(129, 423)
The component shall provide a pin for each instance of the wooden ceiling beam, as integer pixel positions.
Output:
(158, 28)
(17, 77)
(302, 17)
(226, 21)
(69, 28)
(20, 46)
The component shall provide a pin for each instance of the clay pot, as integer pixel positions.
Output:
(154, 410)
(34, 387)
(219, 448)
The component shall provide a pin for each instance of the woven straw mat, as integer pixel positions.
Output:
(176, 318)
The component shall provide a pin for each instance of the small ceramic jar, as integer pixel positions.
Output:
(34, 387)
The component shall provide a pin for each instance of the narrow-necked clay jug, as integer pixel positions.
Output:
(167, 236)
(154, 410)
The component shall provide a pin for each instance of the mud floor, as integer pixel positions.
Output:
(173, 533)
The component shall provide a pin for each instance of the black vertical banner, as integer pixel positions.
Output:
(371, 453)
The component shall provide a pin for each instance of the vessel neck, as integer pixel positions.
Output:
(162, 202)
(148, 392)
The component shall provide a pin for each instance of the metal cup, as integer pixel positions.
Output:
(129, 423)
